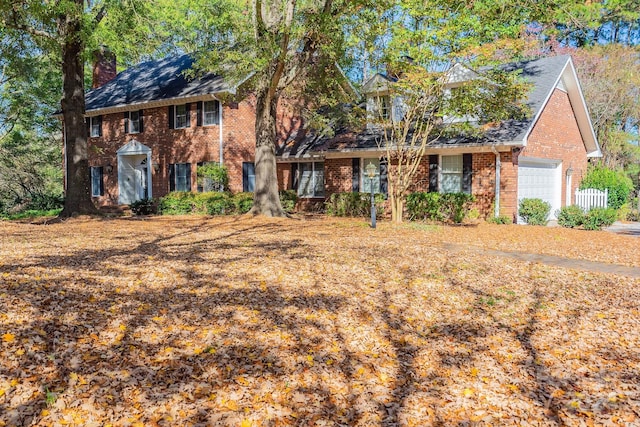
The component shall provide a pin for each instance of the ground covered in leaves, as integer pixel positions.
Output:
(255, 322)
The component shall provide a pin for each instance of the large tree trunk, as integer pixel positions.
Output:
(266, 200)
(78, 179)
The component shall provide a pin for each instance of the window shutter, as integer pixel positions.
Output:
(188, 167)
(140, 120)
(355, 175)
(199, 113)
(245, 177)
(384, 183)
(294, 176)
(433, 173)
(187, 109)
(172, 177)
(467, 172)
(172, 117)
(126, 122)
(99, 125)
(100, 173)
(87, 122)
(218, 106)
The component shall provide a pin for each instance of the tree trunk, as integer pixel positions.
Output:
(78, 180)
(266, 200)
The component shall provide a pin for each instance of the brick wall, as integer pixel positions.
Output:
(556, 136)
(191, 145)
(337, 176)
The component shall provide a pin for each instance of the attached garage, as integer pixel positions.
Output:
(540, 179)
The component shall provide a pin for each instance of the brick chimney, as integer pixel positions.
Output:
(104, 67)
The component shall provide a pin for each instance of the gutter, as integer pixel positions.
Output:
(496, 211)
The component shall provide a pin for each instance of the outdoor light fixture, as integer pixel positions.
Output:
(570, 171)
(156, 167)
(370, 172)
(109, 169)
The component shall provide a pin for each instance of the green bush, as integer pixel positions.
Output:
(617, 182)
(571, 216)
(424, 206)
(46, 202)
(353, 204)
(143, 207)
(439, 207)
(243, 202)
(455, 206)
(534, 211)
(288, 198)
(502, 219)
(219, 204)
(213, 177)
(176, 203)
(597, 218)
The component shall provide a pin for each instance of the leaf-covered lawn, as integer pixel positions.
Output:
(254, 322)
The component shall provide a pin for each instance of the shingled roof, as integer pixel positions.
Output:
(153, 82)
(544, 75)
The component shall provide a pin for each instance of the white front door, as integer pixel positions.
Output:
(133, 178)
(142, 188)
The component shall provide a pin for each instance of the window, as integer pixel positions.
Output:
(452, 172)
(382, 107)
(211, 113)
(134, 122)
(95, 126)
(310, 179)
(97, 187)
(180, 177)
(248, 177)
(366, 181)
(181, 116)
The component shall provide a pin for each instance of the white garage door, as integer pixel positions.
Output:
(540, 179)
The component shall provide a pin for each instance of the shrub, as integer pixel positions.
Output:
(288, 198)
(455, 206)
(424, 206)
(243, 202)
(213, 177)
(176, 203)
(143, 207)
(571, 216)
(45, 202)
(219, 204)
(534, 211)
(617, 182)
(439, 207)
(353, 204)
(502, 219)
(597, 218)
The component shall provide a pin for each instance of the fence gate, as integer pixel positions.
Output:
(590, 198)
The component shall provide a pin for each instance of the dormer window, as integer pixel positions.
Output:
(382, 107)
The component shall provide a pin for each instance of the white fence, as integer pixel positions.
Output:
(590, 198)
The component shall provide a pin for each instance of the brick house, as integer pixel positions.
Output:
(150, 128)
(544, 156)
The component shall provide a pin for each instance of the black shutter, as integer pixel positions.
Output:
(140, 121)
(355, 175)
(126, 122)
(384, 183)
(199, 113)
(245, 176)
(87, 121)
(172, 117)
(433, 173)
(100, 173)
(187, 110)
(188, 167)
(99, 118)
(294, 176)
(467, 172)
(172, 177)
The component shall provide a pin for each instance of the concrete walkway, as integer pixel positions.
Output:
(625, 228)
(569, 263)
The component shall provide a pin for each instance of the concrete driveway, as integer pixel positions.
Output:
(626, 228)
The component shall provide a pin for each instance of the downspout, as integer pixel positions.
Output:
(221, 139)
(496, 212)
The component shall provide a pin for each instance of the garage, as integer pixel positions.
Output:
(540, 179)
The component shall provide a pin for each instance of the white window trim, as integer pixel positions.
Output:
(175, 116)
(91, 124)
(131, 121)
(441, 172)
(313, 183)
(217, 115)
(95, 193)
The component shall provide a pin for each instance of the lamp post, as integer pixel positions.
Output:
(370, 171)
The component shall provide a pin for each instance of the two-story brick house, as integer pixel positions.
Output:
(542, 156)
